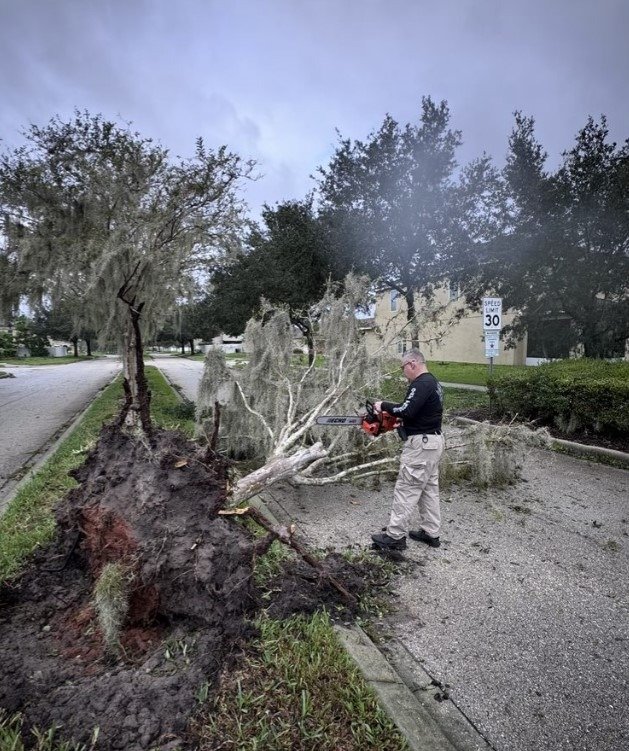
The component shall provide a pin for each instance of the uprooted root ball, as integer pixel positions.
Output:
(141, 598)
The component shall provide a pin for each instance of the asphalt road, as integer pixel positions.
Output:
(185, 374)
(523, 611)
(37, 404)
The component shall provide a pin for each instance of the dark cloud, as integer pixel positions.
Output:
(274, 78)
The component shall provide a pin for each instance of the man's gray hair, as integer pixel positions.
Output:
(413, 354)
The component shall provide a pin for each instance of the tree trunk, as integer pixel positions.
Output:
(275, 470)
(311, 348)
(183, 347)
(75, 344)
(411, 317)
(88, 344)
(191, 342)
(306, 329)
(133, 363)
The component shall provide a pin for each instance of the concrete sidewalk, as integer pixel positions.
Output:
(522, 616)
(464, 386)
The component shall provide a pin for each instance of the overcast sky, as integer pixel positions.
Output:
(273, 79)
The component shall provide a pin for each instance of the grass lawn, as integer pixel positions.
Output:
(468, 373)
(6, 361)
(394, 389)
(455, 400)
(297, 688)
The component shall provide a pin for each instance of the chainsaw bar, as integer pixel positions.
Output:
(339, 420)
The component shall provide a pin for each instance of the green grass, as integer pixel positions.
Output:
(6, 361)
(475, 374)
(455, 400)
(167, 409)
(394, 388)
(298, 689)
(11, 740)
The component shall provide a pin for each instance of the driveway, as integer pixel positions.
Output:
(37, 404)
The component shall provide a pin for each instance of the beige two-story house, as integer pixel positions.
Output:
(448, 329)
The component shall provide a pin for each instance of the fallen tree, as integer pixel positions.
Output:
(269, 407)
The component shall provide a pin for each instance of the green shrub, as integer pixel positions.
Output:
(591, 395)
(8, 346)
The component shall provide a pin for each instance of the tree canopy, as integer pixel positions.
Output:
(399, 210)
(561, 260)
(96, 210)
(287, 261)
(191, 320)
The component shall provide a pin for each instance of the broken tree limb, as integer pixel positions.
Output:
(286, 535)
(277, 469)
(389, 464)
(217, 425)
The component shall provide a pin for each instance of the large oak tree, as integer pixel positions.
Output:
(287, 261)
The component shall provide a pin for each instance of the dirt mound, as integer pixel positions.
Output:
(191, 596)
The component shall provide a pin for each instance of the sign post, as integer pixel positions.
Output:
(492, 323)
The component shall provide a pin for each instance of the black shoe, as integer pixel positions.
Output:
(390, 543)
(422, 536)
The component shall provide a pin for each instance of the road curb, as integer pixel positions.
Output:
(424, 730)
(577, 449)
(49, 449)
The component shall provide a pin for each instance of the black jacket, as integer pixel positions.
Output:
(422, 408)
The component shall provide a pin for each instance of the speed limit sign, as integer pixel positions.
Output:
(492, 313)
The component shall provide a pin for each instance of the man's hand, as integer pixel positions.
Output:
(377, 406)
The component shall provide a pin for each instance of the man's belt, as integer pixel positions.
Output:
(409, 433)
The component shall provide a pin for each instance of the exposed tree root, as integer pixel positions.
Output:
(286, 535)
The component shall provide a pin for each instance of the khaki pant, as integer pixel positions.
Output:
(417, 485)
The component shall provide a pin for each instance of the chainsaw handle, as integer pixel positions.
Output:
(370, 408)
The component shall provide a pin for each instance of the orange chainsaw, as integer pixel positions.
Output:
(372, 422)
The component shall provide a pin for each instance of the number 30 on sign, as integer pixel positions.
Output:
(492, 313)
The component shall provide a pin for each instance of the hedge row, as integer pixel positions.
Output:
(574, 395)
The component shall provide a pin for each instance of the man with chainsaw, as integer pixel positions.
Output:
(418, 479)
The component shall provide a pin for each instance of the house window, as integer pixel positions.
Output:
(393, 297)
(455, 291)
